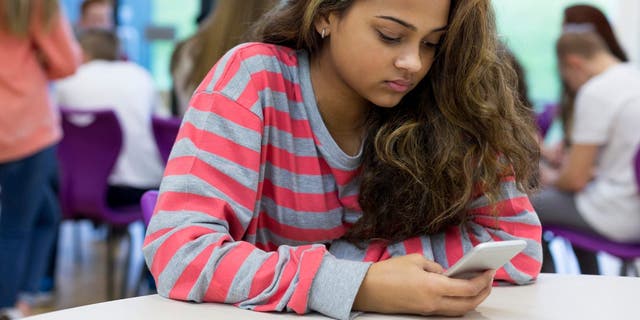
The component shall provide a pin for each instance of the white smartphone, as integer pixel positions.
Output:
(485, 256)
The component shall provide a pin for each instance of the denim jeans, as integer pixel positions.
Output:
(29, 219)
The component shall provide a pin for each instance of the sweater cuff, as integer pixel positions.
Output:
(335, 286)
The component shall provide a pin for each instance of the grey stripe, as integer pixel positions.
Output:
(240, 174)
(518, 276)
(265, 236)
(258, 63)
(280, 102)
(300, 182)
(284, 258)
(508, 190)
(524, 217)
(194, 185)
(172, 219)
(180, 260)
(205, 277)
(427, 250)
(439, 249)
(301, 219)
(343, 249)
(397, 249)
(300, 147)
(466, 241)
(215, 124)
(241, 284)
(220, 69)
(533, 248)
(480, 232)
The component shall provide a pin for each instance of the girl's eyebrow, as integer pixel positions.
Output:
(407, 24)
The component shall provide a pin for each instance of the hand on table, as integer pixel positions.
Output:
(415, 285)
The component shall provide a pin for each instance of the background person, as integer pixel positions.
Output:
(104, 81)
(223, 29)
(36, 45)
(595, 189)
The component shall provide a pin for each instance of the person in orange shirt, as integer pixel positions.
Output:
(36, 45)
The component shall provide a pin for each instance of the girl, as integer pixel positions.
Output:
(390, 125)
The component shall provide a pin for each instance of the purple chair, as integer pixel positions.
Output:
(627, 252)
(148, 202)
(165, 131)
(87, 154)
(545, 118)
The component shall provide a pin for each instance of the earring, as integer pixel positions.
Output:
(323, 33)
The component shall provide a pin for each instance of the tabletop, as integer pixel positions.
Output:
(551, 297)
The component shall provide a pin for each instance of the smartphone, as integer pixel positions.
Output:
(485, 256)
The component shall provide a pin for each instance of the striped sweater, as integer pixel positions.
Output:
(256, 188)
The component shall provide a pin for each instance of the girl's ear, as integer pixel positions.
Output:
(324, 23)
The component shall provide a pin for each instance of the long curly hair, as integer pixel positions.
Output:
(457, 135)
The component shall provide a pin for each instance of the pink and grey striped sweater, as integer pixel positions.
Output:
(256, 187)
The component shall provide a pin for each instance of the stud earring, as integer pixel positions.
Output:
(323, 33)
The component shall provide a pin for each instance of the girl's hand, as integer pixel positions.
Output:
(413, 284)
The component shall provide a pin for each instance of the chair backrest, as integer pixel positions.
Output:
(545, 118)
(87, 154)
(148, 203)
(595, 243)
(165, 131)
(637, 168)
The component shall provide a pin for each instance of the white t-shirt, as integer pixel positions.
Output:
(607, 113)
(130, 91)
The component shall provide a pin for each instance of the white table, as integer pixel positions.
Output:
(552, 297)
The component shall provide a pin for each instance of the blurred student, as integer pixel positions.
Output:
(595, 190)
(581, 18)
(393, 125)
(96, 14)
(220, 31)
(103, 81)
(36, 45)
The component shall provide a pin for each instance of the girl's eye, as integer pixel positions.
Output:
(388, 39)
(430, 44)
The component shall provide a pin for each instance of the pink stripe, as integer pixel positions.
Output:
(178, 201)
(375, 251)
(267, 247)
(227, 109)
(222, 147)
(298, 201)
(413, 245)
(517, 229)
(506, 208)
(453, 244)
(350, 202)
(299, 234)
(292, 162)
(211, 175)
(264, 276)
(190, 275)
(284, 281)
(225, 272)
(265, 79)
(310, 261)
(173, 243)
(282, 121)
(152, 237)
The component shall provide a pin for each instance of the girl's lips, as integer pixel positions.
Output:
(399, 85)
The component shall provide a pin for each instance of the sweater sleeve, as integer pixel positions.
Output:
(515, 219)
(61, 54)
(194, 244)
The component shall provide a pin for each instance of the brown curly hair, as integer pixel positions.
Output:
(459, 133)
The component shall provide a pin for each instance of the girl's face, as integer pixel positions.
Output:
(381, 49)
